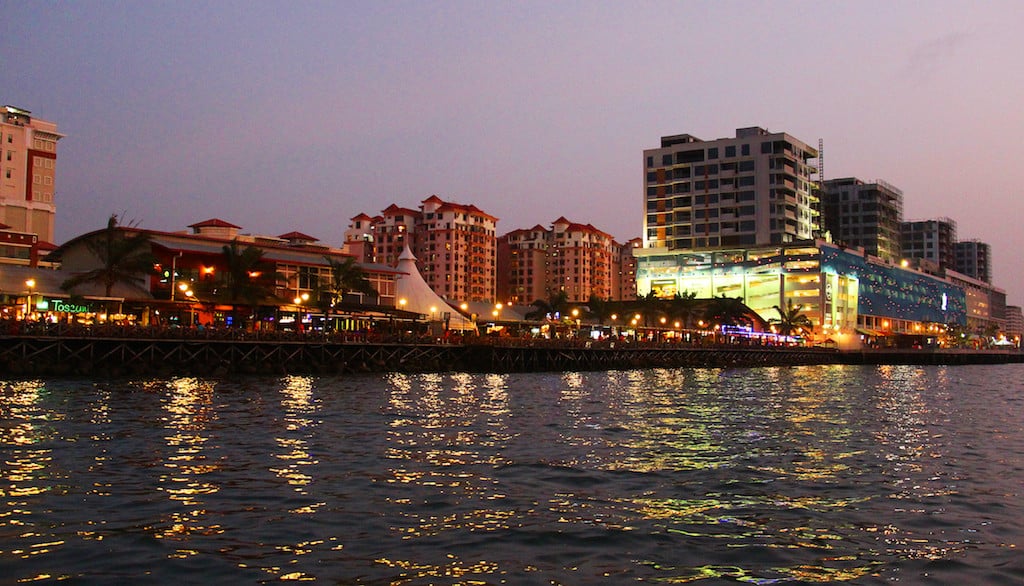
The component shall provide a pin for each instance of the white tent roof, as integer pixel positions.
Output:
(420, 298)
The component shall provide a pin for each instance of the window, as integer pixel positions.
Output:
(713, 153)
(730, 151)
(766, 148)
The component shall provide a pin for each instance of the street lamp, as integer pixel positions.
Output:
(31, 284)
(299, 300)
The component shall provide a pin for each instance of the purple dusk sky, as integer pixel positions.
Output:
(298, 116)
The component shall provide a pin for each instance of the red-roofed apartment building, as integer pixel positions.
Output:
(578, 259)
(454, 245)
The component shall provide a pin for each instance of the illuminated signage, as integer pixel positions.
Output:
(66, 307)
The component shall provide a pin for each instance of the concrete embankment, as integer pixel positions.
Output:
(65, 356)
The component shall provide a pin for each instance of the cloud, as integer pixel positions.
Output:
(931, 57)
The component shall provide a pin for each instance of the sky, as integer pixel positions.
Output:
(289, 116)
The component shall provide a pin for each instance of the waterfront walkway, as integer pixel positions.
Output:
(41, 349)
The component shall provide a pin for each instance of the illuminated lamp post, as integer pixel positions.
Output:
(31, 284)
(299, 300)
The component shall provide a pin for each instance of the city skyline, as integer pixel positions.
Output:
(300, 121)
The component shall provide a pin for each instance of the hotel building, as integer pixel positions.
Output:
(751, 190)
(28, 159)
(454, 244)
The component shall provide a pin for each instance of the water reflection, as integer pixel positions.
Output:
(772, 475)
(299, 407)
(188, 411)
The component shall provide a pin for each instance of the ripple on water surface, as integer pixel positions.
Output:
(773, 475)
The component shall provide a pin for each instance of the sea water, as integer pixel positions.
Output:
(818, 474)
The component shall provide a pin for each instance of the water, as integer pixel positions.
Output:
(764, 476)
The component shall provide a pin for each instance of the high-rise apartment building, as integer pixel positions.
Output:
(933, 240)
(29, 163)
(974, 258)
(863, 214)
(578, 259)
(454, 245)
(754, 189)
(627, 269)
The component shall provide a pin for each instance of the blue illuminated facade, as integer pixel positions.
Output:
(893, 292)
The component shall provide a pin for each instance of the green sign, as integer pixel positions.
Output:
(67, 307)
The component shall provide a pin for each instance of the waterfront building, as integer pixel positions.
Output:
(188, 265)
(359, 237)
(751, 190)
(627, 270)
(850, 297)
(1014, 327)
(932, 240)
(454, 244)
(577, 259)
(974, 258)
(28, 147)
(868, 215)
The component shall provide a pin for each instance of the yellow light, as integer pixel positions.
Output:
(207, 270)
(305, 296)
(637, 316)
(499, 305)
(464, 306)
(182, 286)
(30, 283)
(402, 302)
(575, 312)
(615, 316)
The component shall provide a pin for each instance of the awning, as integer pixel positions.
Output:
(868, 332)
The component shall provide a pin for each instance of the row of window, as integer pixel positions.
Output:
(707, 199)
(730, 151)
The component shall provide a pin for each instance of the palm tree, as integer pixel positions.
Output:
(557, 302)
(684, 307)
(650, 307)
(600, 309)
(346, 276)
(790, 319)
(726, 311)
(247, 279)
(125, 259)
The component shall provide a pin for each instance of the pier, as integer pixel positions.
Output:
(115, 356)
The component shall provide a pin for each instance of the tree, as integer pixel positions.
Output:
(557, 302)
(650, 307)
(726, 311)
(790, 319)
(346, 276)
(599, 309)
(684, 308)
(247, 279)
(125, 259)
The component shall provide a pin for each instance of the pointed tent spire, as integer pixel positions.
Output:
(418, 295)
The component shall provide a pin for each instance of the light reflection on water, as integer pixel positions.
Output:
(774, 475)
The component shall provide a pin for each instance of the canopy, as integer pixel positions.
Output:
(418, 297)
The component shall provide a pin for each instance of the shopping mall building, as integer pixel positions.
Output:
(852, 298)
